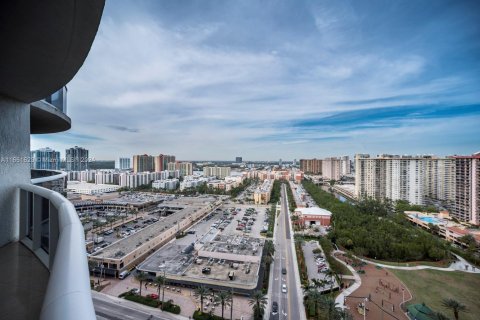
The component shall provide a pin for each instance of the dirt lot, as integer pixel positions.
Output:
(382, 287)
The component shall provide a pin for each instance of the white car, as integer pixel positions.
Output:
(284, 288)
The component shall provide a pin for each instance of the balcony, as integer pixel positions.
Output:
(46, 273)
(51, 179)
(49, 115)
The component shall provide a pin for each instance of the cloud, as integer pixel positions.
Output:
(272, 80)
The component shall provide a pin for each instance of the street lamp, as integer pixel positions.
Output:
(365, 309)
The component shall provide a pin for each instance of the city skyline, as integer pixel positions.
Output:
(278, 80)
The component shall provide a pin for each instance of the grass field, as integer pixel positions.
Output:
(431, 286)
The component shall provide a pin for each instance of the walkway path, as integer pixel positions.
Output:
(348, 291)
(460, 265)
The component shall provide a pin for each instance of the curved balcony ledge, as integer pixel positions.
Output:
(68, 293)
(43, 175)
(45, 118)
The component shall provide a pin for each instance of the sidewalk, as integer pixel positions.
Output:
(346, 292)
(462, 265)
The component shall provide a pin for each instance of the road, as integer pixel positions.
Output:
(112, 308)
(290, 305)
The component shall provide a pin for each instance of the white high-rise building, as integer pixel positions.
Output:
(345, 165)
(218, 172)
(420, 180)
(331, 168)
(123, 163)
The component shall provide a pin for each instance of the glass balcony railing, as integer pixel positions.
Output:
(51, 229)
(58, 99)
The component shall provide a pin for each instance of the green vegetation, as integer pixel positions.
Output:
(180, 235)
(202, 293)
(302, 266)
(470, 252)
(272, 215)
(140, 299)
(275, 193)
(202, 189)
(258, 301)
(336, 266)
(373, 229)
(291, 200)
(268, 251)
(320, 306)
(433, 286)
(170, 307)
(197, 315)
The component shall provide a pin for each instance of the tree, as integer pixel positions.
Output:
(330, 306)
(224, 297)
(312, 300)
(455, 306)
(160, 280)
(140, 276)
(201, 292)
(269, 248)
(258, 300)
(440, 316)
(331, 274)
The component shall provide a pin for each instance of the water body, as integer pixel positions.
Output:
(337, 195)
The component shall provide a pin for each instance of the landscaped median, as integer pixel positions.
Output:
(168, 306)
(197, 315)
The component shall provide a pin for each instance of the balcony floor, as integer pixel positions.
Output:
(23, 281)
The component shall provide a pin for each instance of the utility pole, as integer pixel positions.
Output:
(231, 307)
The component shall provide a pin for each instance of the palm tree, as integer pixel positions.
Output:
(330, 306)
(258, 300)
(160, 280)
(269, 248)
(312, 297)
(224, 298)
(439, 316)
(455, 306)
(201, 292)
(140, 276)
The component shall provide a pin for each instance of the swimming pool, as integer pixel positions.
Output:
(431, 220)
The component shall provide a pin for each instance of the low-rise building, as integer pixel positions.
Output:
(90, 188)
(447, 228)
(262, 193)
(168, 184)
(313, 216)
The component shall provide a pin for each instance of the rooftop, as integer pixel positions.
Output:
(314, 211)
(124, 246)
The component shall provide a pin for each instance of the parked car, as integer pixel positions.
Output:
(153, 296)
(135, 291)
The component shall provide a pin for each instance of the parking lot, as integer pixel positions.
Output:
(214, 233)
(247, 222)
(317, 266)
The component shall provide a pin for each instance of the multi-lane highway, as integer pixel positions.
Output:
(290, 305)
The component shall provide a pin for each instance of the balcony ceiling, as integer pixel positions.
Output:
(44, 44)
(45, 118)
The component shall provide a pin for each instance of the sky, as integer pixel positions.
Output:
(211, 80)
